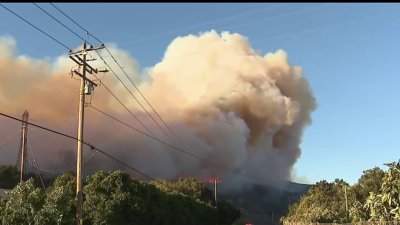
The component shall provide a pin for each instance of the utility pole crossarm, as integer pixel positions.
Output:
(81, 62)
(84, 77)
(81, 52)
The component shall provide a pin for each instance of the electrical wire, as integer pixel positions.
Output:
(67, 117)
(200, 24)
(169, 129)
(109, 67)
(59, 21)
(127, 165)
(129, 111)
(70, 18)
(83, 142)
(37, 28)
(150, 136)
(34, 160)
(173, 147)
(9, 139)
(69, 136)
(69, 49)
(115, 74)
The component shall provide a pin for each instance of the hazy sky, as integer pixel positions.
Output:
(349, 54)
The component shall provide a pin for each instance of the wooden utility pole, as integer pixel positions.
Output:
(215, 191)
(24, 133)
(215, 180)
(79, 57)
(345, 197)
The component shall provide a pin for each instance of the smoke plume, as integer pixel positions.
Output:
(223, 101)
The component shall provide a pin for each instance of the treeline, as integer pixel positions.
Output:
(115, 198)
(375, 197)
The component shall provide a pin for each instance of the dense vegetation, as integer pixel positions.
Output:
(375, 197)
(115, 198)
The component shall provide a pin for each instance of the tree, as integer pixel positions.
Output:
(23, 205)
(227, 214)
(376, 196)
(187, 186)
(2, 208)
(9, 176)
(369, 182)
(116, 198)
(358, 212)
(323, 203)
(60, 204)
(109, 199)
(384, 205)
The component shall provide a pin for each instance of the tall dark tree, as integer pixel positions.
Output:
(9, 176)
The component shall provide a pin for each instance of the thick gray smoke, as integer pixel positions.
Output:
(225, 102)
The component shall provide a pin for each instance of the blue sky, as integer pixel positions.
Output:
(349, 54)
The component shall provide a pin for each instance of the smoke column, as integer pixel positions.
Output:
(224, 101)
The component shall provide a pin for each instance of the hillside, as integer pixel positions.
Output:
(263, 204)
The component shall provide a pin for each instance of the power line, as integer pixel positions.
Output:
(123, 83)
(228, 26)
(37, 166)
(67, 117)
(76, 23)
(41, 127)
(73, 21)
(145, 100)
(115, 74)
(89, 157)
(200, 24)
(52, 171)
(67, 16)
(276, 17)
(62, 24)
(119, 100)
(130, 92)
(37, 28)
(129, 111)
(259, 179)
(103, 61)
(129, 166)
(301, 32)
(92, 147)
(150, 136)
(83, 142)
(9, 139)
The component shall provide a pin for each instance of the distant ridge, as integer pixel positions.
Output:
(265, 204)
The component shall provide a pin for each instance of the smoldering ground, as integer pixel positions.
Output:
(225, 102)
